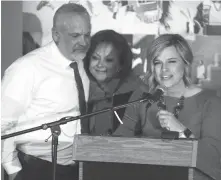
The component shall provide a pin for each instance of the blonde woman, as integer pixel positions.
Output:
(188, 110)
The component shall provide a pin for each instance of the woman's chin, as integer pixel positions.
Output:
(170, 85)
(101, 79)
(166, 85)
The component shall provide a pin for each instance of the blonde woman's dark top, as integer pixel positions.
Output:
(201, 114)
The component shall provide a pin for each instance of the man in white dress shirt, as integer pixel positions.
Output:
(40, 87)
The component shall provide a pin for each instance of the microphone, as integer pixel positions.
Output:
(157, 94)
(152, 97)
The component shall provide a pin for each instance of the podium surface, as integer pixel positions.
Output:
(145, 151)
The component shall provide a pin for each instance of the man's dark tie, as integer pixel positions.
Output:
(81, 97)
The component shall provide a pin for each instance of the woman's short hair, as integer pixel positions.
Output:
(156, 48)
(119, 43)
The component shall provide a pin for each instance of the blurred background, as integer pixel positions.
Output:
(26, 25)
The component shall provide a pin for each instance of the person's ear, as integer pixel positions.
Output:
(55, 35)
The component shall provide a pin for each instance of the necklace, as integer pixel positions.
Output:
(176, 110)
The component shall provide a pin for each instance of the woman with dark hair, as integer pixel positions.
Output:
(108, 64)
(184, 108)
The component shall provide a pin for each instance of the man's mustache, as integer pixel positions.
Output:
(81, 48)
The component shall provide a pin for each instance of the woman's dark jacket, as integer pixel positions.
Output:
(117, 92)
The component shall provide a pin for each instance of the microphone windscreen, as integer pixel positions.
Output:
(157, 94)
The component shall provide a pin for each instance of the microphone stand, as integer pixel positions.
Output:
(55, 126)
(67, 119)
(56, 131)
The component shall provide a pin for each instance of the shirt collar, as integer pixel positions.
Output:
(58, 57)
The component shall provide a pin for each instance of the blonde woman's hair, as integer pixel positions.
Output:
(156, 48)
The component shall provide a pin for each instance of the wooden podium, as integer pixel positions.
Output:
(191, 154)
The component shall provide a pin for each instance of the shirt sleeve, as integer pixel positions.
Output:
(211, 136)
(16, 92)
(131, 118)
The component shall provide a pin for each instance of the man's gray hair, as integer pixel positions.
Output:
(69, 8)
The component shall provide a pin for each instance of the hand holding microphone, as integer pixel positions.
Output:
(169, 121)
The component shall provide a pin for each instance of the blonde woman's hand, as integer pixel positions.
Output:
(168, 120)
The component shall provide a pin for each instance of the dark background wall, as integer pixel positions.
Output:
(11, 32)
(11, 36)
